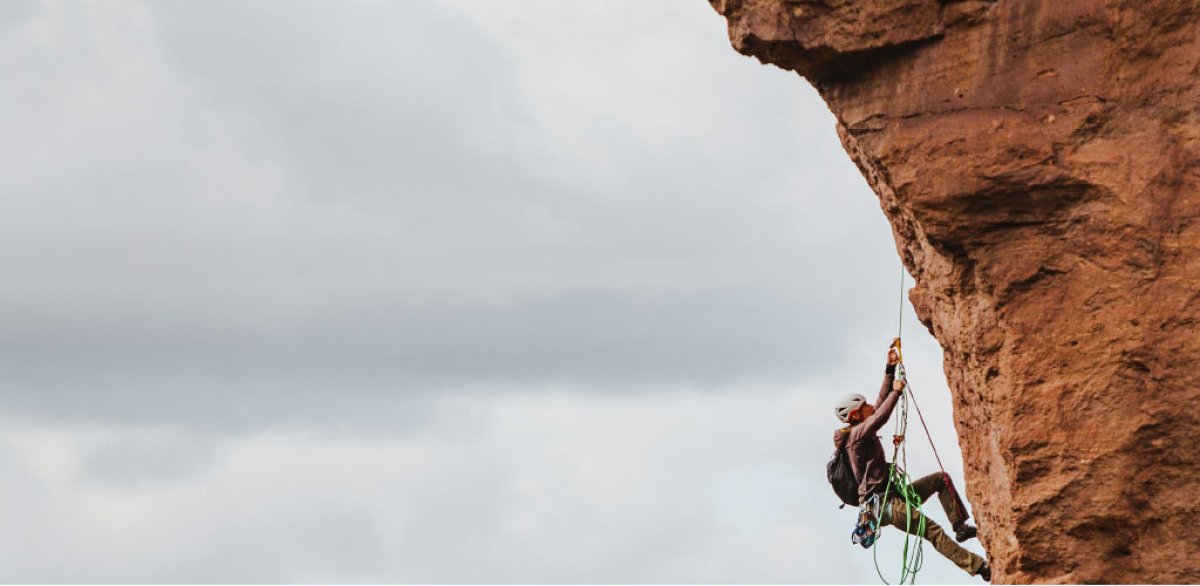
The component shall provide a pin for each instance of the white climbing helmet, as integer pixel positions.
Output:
(847, 404)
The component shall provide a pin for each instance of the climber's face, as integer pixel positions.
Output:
(857, 415)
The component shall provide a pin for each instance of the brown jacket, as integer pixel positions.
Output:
(867, 458)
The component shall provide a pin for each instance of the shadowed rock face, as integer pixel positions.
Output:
(1040, 165)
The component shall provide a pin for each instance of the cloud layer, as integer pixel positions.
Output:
(668, 488)
(431, 291)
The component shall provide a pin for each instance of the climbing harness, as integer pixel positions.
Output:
(877, 511)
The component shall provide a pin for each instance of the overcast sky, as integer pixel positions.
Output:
(429, 291)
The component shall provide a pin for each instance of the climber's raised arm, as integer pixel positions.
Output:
(889, 393)
(889, 377)
(871, 425)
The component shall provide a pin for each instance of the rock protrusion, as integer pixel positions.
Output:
(1040, 166)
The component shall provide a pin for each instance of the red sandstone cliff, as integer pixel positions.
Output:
(1040, 165)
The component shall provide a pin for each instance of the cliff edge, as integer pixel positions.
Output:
(1040, 165)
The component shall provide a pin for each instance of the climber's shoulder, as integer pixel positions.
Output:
(841, 437)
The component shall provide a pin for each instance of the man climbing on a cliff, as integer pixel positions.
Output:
(870, 468)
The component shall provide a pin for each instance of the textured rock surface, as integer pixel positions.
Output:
(1040, 165)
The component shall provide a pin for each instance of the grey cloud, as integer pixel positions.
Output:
(302, 224)
(12, 13)
(402, 101)
(339, 367)
(146, 460)
(639, 488)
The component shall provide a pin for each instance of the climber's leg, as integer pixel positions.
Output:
(952, 551)
(940, 483)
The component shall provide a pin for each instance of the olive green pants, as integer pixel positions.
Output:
(925, 487)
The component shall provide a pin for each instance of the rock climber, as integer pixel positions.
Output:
(870, 467)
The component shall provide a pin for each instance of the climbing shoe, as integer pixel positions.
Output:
(964, 532)
(985, 572)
